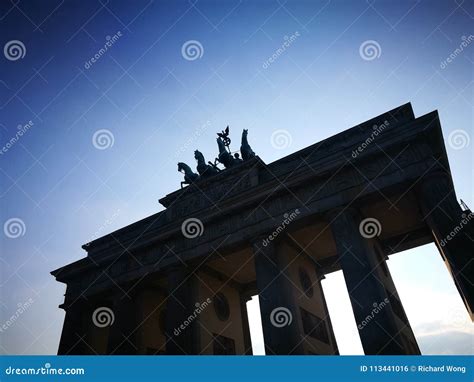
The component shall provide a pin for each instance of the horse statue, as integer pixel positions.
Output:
(245, 148)
(225, 157)
(204, 169)
(189, 175)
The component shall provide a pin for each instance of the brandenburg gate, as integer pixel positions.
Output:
(177, 282)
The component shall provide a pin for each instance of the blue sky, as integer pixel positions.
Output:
(159, 107)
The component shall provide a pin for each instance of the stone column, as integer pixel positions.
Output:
(379, 329)
(123, 331)
(383, 273)
(245, 323)
(278, 311)
(453, 231)
(180, 304)
(74, 328)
